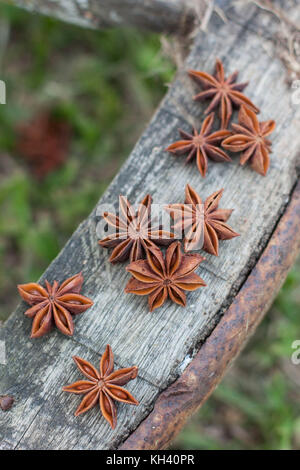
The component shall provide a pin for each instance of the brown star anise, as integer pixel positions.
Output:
(133, 231)
(201, 145)
(201, 223)
(54, 304)
(250, 138)
(222, 91)
(103, 387)
(160, 278)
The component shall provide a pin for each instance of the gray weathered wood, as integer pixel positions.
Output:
(156, 15)
(163, 343)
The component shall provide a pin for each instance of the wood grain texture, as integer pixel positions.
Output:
(168, 16)
(161, 344)
(184, 396)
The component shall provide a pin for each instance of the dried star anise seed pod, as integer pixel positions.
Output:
(6, 402)
(202, 145)
(222, 92)
(249, 137)
(103, 387)
(201, 222)
(161, 277)
(133, 232)
(54, 304)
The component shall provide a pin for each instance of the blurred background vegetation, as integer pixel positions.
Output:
(94, 92)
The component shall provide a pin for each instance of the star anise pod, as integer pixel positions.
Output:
(162, 278)
(103, 387)
(201, 223)
(250, 138)
(54, 304)
(222, 91)
(133, 232)
(202, 145)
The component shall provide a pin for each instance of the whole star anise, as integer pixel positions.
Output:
(54, 304)
(133, 232)
(250, 138)
(222, 91)
(162, 278)
(103, 387)
(202, 145)
(202, 224)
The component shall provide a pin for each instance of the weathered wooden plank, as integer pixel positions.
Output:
(169, 16)
(184, 396)
(161, 344)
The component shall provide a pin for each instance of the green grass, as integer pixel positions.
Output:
(107, 88)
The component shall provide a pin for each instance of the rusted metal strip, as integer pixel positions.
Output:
(206, 370)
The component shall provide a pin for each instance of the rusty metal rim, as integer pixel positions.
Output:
(182, 398)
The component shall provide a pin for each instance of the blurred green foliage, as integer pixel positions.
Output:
(106, 85)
